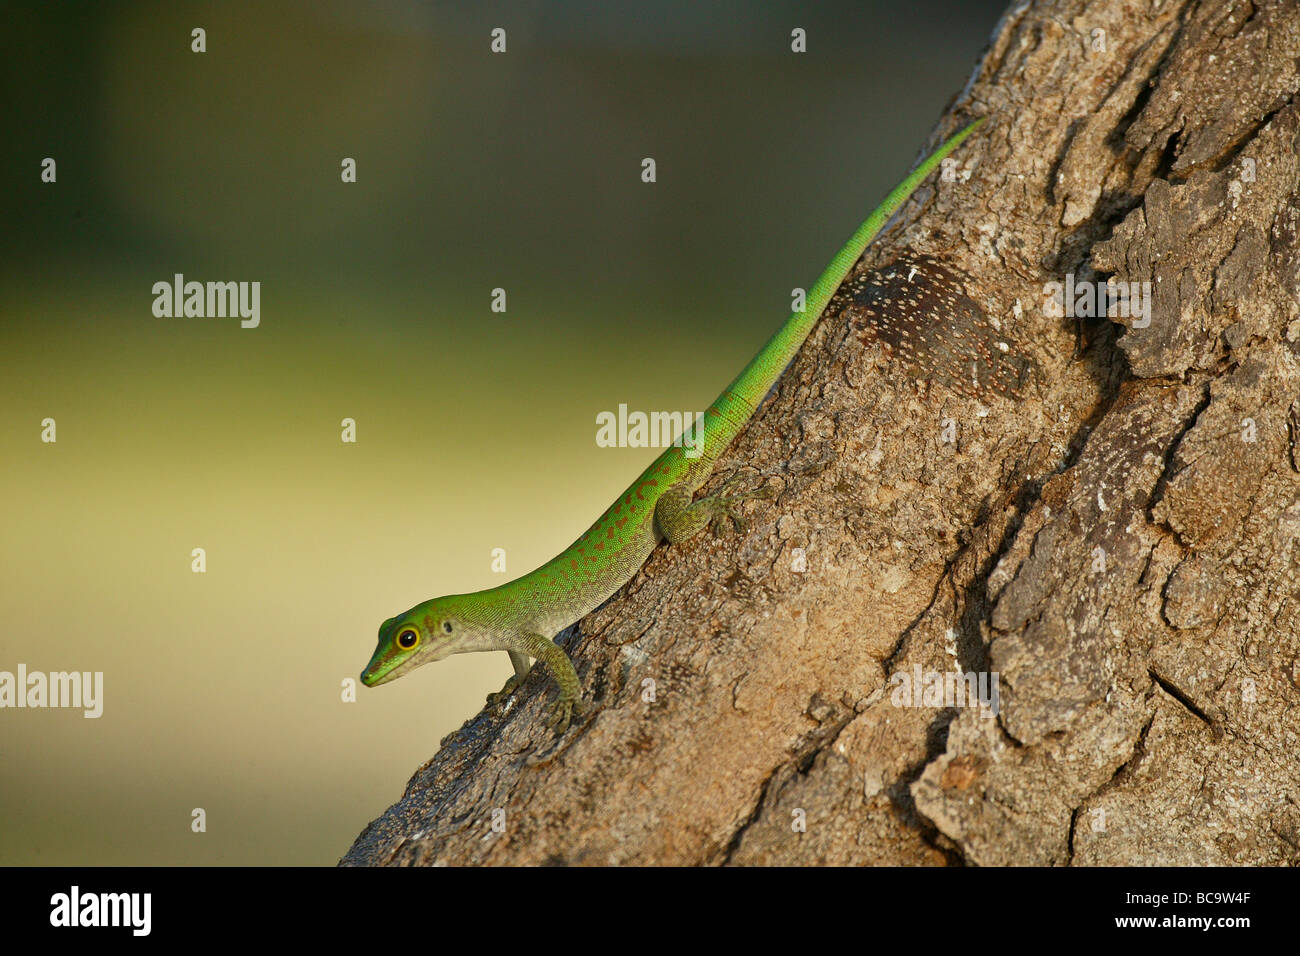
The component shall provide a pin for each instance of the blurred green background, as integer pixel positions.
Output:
(476, 430)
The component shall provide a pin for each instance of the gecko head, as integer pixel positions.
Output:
(427, 632)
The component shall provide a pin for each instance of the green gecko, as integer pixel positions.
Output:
(522, 616)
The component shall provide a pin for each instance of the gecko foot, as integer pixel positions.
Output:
(561, 713)
(507, 689)
(725, 505)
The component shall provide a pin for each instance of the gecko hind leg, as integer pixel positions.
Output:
(680, 519)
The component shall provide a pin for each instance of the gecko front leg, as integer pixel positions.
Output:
(522, 666)
(566, 678)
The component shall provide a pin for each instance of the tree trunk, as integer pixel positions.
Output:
(1108, 534)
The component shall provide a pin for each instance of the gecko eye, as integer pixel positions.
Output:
(446, 627)
(407, 638)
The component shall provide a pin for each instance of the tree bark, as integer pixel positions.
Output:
(1112, 530)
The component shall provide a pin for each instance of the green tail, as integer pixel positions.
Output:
(742, 397)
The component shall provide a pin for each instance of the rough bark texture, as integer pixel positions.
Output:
(1114, 532)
